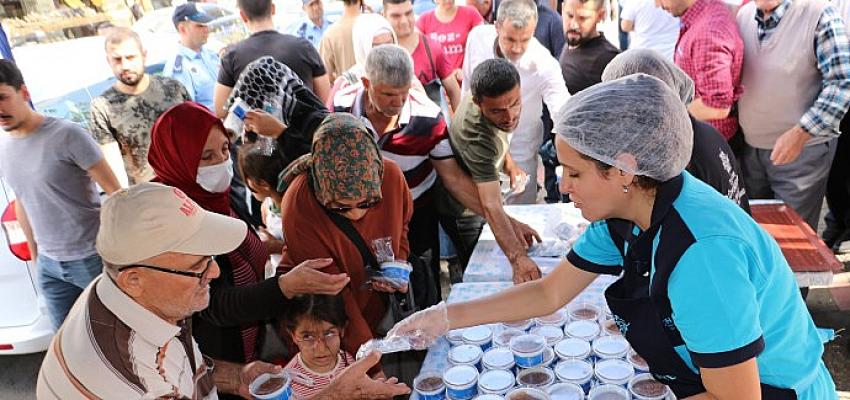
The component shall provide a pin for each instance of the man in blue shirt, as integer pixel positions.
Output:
(193, 65)
(311, 26)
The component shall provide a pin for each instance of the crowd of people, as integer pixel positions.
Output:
(237, 242)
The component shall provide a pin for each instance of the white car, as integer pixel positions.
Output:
(24, 324)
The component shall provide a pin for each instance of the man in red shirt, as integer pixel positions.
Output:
(711, 52)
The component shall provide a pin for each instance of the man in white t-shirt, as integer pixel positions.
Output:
(650, 27)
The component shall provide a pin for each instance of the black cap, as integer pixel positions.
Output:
(190, 12)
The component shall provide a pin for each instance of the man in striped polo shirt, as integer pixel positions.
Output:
(410, 130)
(129, 335)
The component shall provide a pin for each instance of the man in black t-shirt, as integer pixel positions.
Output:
(298, 54)
(587, 51)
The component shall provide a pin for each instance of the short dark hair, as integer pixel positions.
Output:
(120, 34)
(255, 9)
(10, 74)
(254, 163)
(317, 307)
(351, 2)
(395, 2)
(493, 78)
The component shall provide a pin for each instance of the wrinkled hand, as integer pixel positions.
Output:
(251, 371)
(354, 383)
(789, 146)
(525, 270)
(387, 287)
(305, 279)
(525, 233)
(263, 123)
(424, 327)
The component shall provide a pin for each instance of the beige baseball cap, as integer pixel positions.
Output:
(149, 219)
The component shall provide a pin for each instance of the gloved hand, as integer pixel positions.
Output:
(423, 328)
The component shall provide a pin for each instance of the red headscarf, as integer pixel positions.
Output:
(177, 141)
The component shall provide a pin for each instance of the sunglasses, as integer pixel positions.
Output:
(361, 206)
(201, 275)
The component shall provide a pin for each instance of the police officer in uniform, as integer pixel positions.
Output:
(312, 25)
(195, 66)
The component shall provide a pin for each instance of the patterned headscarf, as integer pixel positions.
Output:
(345, 163)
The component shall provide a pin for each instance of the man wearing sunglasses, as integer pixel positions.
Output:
(129, 336)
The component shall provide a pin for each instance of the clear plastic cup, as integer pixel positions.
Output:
(455, 337)
(461, 382)
(645, 387)
(523, 325)
(610, 328)
(429, 385)
(584, 329)
(638, 363)
(271, 387)
(527, 394)
(608, 392)
(565, 391)
(496, 381)
(498, 358)
(579, 372)
(584, 312)
(548, 357)
(481, 336)
(572, 348)
(503, 338)
(552, 334)
(540, 378)
(558, 318)
(489, 397)
(528, 350)
(614, 372)
(605, 347)
(466, 354)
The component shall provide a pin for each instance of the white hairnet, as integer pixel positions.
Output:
(651, 62)
(637, 115)
(364, 30)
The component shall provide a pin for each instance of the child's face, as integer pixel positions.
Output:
(318, 342)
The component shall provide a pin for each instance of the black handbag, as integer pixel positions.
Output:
(435, 87)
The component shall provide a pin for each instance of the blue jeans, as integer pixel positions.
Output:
(62, 282)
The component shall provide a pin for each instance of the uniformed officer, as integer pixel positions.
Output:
(312, 25)
(195, 66)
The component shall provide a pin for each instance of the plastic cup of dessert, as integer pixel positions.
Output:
(614, 372)
(572, 348)
(608, 392)
(489, 397)
(481, 336)
(466, 354)
(551, 333)
(579, 372)
(565, 391)
(528, 350)
(398, 271)
(455, 337)
(461, 382)
(498, 358)
(429, 385)
(271, 387)
(540, 378)
(645, 387)
(605, 347)
(584, 312)
(503, 338)
(558, 318)
(638, 363)
(527, 394)
(548, 357)
(523, 325)
(584, 329)
(610, 327)
(495, 381)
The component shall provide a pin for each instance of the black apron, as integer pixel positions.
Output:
(644, 314)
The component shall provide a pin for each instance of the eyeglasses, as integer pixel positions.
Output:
(312, 340)
(362, 206)
(201, 275)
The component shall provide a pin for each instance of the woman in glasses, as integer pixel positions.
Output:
(345, 184)
(190, 151)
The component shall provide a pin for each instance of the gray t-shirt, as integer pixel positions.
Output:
(47, 172)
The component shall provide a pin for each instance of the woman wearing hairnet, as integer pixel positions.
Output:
(710, 303)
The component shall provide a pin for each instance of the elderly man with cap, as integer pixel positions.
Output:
(129, 335)
(312, 25)
(194, 65)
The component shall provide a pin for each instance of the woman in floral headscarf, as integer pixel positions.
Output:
(345, 176)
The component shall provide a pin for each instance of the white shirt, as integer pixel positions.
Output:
(653, 29)
(541, 82)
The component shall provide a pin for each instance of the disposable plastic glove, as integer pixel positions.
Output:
(423, 328)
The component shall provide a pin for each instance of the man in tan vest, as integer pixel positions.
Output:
(794, 99)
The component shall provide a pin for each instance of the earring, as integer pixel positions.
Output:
(625, 189)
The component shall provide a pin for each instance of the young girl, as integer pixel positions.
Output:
(316, 323)
(260, 171)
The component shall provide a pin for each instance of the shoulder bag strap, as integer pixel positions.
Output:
(428, 52)
(347, 228)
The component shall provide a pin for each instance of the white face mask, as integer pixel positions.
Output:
(216, 178)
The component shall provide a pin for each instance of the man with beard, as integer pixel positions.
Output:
(123, 115)
(588, 51)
